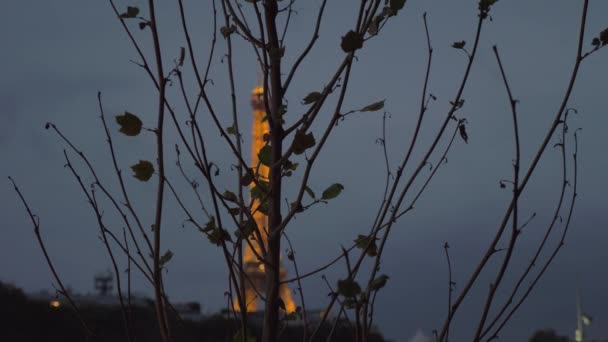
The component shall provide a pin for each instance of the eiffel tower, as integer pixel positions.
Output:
(254, 268)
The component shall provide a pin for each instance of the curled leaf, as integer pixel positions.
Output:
(604, 37)
(374, 26)
(218, 235)
(459, 45)
(234, 211)
(165, 257)
(310, 192)
(396, 5)
(352, 41)
(463, 133)
(230, 196)
(376, 106)
(311, 97)
(484, 5)
(227, 30)
(131, 12)
(182, 56)
(210, 226)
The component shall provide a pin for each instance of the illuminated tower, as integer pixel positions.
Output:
(582, 320)
(254, 269)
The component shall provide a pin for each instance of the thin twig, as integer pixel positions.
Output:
(36, 223)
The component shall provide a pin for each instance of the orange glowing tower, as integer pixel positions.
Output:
(254, 268)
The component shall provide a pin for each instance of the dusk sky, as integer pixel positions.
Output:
(56, 56)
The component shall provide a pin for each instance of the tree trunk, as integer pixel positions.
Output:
(271, 314)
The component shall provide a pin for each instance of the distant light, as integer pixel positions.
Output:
(586, 319)
(258, 90)
(55, 303)
(261, 267)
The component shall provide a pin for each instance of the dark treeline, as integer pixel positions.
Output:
(28, 320)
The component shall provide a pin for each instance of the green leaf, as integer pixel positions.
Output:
(217, 236)
(265, 155)
(348, 288)
(303, 141)
(364, 241)
(396, 5)
(378, 283)
(260, 190)
(310, 192)
(459, 45)
(352, 41)
(290, 166)
(283, 109)
(311, 98)
(129, 123)
(374, 107)
(231, 130)
(210, 226)
(165, 258)
(234, 211)
(264, 207)
(246, 229)
(131, 12)
(332, 191)
(247, 178)
(230, 196)
(143, 170)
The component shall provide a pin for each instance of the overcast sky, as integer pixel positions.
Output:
(56, 55)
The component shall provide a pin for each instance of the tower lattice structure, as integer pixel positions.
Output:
(254, 268)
